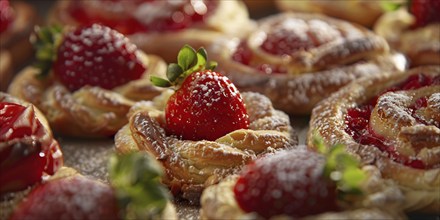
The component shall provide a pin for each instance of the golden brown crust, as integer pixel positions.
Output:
(328, 120)
(364, 12)
(5, 69)
(190, 166)
(230, 18)
(313, 74)
(420, 44)
(89, 111)
(381, 200)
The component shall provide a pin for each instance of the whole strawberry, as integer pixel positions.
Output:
(293, 182)
(206, 104)
(425, 11)
(92, 55)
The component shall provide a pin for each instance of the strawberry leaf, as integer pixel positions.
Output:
(388, 5)
(46, 41)
(212, 65)
(157, 81)
(173, 72)
(186, 57)
(136, 180)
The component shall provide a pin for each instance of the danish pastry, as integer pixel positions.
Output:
(205, 130)
(291, 184)
(298, 59)
(68, 194)
(390, 121)
(159, 27)
(414, 31)
(28, 150)
(17, 21)
(364, 12)
(88, 85)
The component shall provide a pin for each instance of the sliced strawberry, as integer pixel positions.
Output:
(74, 197)
(207, 105)
(425, 11)
(290, 183)
(6, 15)
(27, 152)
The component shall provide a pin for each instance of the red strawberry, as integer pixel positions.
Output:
(28, 152)
(92, 55)
(290, 183)
(6, 15)
(425, 11)
(74, 197)
(296, 182)
(207, 105)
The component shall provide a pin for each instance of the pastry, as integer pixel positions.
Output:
(159, 27)
(292, 184)
(69, 195)
(363, 12)
(390, 121)
(298, 59)
(86, 80)
(205, 130)
(414, 30)
(17, 21)
(28, 150)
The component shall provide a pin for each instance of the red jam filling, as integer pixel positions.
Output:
(6, 15)
(23, 158)
(184, 16)
(357, 120)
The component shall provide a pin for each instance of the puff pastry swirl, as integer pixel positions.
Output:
(298, 59)
(401, 135)
(89, 111)
(219, 18)
(190, 166)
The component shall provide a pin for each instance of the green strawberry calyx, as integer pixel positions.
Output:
(341, 167)
(46, 41)
(188, 61)
(136, 178)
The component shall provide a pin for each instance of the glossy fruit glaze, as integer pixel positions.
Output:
(184, 14)
(26, 151)
(6, 15)
(357, 119)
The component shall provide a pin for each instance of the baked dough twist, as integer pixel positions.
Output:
(226, 18)
(326, 54)
(421, 45)
(413, 132)
(190, 166)
(89, 111)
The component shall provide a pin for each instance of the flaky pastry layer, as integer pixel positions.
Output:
(190, 166)
(346, 51)
(419, 185)
(89, 111)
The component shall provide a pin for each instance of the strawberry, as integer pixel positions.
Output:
(292, 182)
(69, 198)
(28, 152)
(425, 11)
(6, 15)
(92, 55)
(206, 104)
(135, 193)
